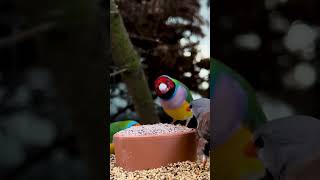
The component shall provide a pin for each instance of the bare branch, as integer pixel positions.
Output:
(21, 36)
(118, 72)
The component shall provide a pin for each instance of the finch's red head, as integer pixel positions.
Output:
(163, 85)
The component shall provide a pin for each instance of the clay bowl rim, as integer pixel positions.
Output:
(160, 136)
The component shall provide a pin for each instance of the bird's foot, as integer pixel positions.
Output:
(204, 161)
(188, 121)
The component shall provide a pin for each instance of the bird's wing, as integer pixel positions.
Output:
(204, 125)
(188, 93)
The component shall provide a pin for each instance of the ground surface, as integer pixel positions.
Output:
(179, 171)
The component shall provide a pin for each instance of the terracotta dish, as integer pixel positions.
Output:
(153, 151)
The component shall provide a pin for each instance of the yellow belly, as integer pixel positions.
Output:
(229, 161)
(180, 113)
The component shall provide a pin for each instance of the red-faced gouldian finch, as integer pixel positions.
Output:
(118, 126)
(175, 98)
(235, 114)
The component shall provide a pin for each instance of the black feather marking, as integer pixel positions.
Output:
(207, 148)
(259, 143)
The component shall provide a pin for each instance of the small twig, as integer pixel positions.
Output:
(118, 72)
(20, 36)
(114, 12)
(143, 38)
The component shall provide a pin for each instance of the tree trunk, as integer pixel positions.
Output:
(125, 57)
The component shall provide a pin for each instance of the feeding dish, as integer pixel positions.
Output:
(153, 146)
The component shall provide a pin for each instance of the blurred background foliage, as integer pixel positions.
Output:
(274, 44)
(167, 35)
(37, 137)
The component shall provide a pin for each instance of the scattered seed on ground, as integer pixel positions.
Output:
(181, 170)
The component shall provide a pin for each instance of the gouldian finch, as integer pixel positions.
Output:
(118, 126)
(201, 110)
(175, 98)
(235, 114)
(287, 143)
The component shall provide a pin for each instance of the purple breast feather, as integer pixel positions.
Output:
(176, 100)
(228, 109)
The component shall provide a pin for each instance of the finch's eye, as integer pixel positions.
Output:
(259, 143)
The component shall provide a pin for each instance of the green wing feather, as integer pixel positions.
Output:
(255, 115)
(189, 96)
(118, 126)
